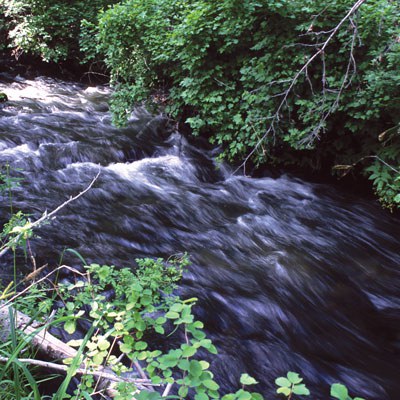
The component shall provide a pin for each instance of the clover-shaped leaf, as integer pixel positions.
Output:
(291, 384)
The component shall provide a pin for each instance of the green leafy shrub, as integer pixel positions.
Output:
(49, 29)
(228, 66)
(142, 303)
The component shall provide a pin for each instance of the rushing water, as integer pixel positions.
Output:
(289, 275)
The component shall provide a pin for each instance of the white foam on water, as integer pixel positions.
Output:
(172, 165)
(22, 149)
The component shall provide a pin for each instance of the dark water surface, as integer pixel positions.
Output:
(289, 275)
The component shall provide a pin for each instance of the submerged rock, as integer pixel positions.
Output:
(3, 97)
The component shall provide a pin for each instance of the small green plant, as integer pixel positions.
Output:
(7, 291)
(291, 384)
(142, 303)
(8, 182)
(340, 392)
(16, 232)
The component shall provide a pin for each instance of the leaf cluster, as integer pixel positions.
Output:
(228, 65)
(142, 302)
(48, 29)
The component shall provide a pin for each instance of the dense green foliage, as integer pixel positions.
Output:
(49, 29)
(229, 69)
(228, 66)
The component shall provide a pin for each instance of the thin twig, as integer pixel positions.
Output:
(346, 82)
(46, 216)
(81, 371)
(167, 390)
(40, 280)
(382, 161)
(140, 369)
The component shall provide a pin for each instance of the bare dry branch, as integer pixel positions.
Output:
(46, 216)
(80, 371)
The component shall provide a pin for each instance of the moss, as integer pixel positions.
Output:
(3, 97)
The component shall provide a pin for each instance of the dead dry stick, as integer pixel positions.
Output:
(167, 390)
(139, 369)
(81, 371)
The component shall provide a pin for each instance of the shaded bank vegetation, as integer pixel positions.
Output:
(230, 71)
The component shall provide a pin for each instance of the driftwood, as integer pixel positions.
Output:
(39, 337)
(37, 334)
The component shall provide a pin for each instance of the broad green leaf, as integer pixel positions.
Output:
(70, 326)
(98, 359)
(125, 348)
(210, 384)
(140, 346)
(195, 368)
(212, 349)
(243, 395)
(188, 351)
(118, 326)
(204, 364)
(339, 391)
(75, 343)
(177, 307)
(156, 380)
(160, 320)
(201, 396)
(159, 329)
(183, 391)
(103, 344)
(184, 365)
(246, 379)
(282, 381)
(294, 377)
(172, 315)
(301, 390)
(284, 390)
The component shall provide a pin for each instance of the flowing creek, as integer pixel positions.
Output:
(290, 275)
